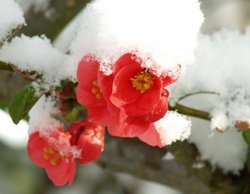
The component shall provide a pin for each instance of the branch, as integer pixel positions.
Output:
(195, 93)
(138, 159)
(190, 111)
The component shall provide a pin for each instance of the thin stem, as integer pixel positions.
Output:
(190, 111)
(195, 93)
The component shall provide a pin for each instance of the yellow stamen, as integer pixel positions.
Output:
(96, 90)
(98, 95)
(52, 155)
(49, 150)
(142, 81)
(95, 83)
(55, 159)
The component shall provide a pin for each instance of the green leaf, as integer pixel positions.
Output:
(246, 136)
(22, 102)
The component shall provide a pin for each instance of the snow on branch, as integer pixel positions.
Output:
(11, 16)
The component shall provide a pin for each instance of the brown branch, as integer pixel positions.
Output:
(196, 93)
(190, 111)
(138, 159)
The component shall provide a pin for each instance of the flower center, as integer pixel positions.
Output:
(52, 155)
(96, 90)
(142, 81)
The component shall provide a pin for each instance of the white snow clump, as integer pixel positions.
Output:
(11, 16)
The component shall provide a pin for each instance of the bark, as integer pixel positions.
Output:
(136, 158)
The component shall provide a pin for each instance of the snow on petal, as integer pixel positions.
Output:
(164, 38)
(36, 54)
(173, 127)
(11, 16)
(42, 120)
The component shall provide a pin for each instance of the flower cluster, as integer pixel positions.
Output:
(129, 101)
(58, 150)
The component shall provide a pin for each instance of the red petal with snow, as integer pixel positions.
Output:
(60, 168)
(124, 60)
(172, 75)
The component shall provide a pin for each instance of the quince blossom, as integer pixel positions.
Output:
(58, 151)
(128, 101)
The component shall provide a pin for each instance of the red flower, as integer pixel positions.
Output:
(58, 151)
(89, 137)
(54, 156)
(132, 97)
(90, 94)
(137, 91)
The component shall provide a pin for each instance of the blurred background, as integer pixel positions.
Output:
(18, 175)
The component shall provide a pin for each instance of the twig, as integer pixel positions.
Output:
(195, 93)
(190, 111)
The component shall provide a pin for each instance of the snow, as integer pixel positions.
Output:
(64, 39)
(162, 32)
(37, 54)
(12, 134)
(219, 121)
(41, 115)
(173, 127)
(221, 66)
(227, 50)
(226, 150)
(36, 4)
(168, 156)
(11, 16)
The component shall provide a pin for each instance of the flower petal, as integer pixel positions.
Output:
(159, 111)
(92, 142)
(124, 60)
(62, 173)
(152, 137)
(147, 102)
(35, 147)
(123, 92)
(101, 115)
(130, 127)
(88, 89)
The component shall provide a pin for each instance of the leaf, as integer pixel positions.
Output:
(246, 136)
(22, 102)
